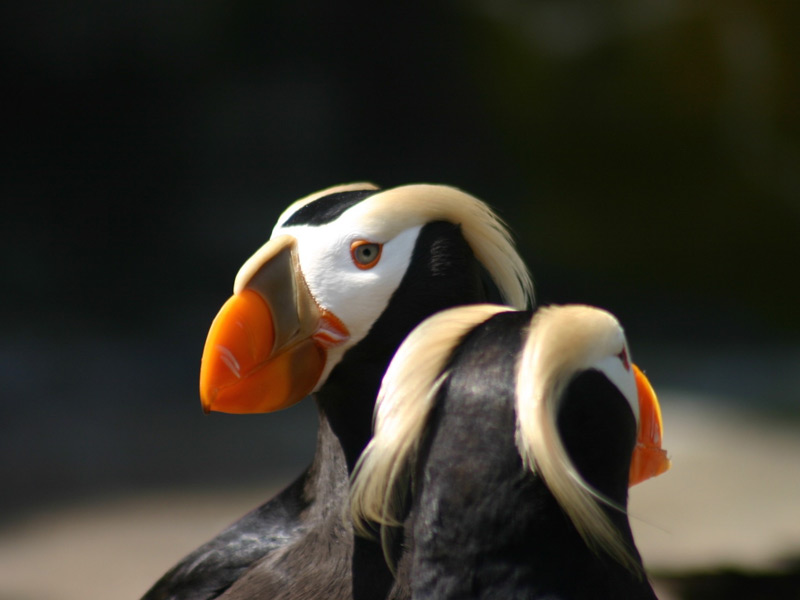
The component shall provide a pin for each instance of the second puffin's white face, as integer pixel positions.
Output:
(356, 293)
(619, 370)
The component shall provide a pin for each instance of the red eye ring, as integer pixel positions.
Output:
(365, 254)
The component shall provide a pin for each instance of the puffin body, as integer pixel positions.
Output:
(321, 308)
(517, 446)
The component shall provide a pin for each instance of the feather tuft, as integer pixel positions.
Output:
(563, 340)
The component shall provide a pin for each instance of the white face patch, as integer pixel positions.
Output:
(622, 378)
(356, 296)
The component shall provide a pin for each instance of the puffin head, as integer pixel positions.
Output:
(565, 341)
(572, 354)
(315, 289)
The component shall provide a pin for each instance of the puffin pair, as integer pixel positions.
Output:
(503, 449)
(321, 309)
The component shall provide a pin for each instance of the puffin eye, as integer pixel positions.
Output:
(365, 254)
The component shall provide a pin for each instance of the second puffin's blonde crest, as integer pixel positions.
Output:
(405, 400)
(562, 341)
(400, 208)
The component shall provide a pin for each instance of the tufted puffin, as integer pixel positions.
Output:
(504, 446)
(320, 309)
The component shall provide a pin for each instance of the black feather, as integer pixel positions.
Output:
(328, 208)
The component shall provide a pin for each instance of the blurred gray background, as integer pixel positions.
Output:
(646, 154)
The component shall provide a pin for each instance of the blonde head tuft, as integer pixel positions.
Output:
(562, 341)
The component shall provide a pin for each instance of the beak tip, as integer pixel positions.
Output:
(207, 398)
(666, 463)
(648, 462)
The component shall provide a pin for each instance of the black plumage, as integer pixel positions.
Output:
(475, 522)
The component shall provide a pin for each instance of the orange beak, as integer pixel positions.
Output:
(266, 348)
(648, 460)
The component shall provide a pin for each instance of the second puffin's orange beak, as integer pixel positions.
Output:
(265, 349)
(649, 459)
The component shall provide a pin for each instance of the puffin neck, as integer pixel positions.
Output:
(327, 477)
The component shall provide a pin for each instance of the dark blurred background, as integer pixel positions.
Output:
(645, 152)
